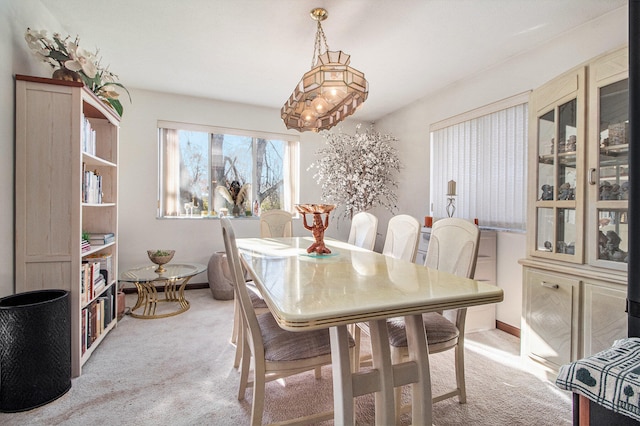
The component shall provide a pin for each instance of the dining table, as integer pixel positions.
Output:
(307, 291)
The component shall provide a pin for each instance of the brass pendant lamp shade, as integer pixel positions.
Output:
(329, 92)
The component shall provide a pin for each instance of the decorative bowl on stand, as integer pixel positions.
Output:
(317, 227)
(160, 258)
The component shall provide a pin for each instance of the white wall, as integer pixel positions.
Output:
(520, 74)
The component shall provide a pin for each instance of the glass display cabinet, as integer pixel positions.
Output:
(609, 176)
(558, 111)
(575, 272)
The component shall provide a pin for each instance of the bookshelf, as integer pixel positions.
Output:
(66, 184)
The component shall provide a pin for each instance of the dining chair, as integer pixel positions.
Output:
(271, 352)
(273, 223)
(276, 223)
(401, 242)
(403, 235)
(453, 248)
(364, 228)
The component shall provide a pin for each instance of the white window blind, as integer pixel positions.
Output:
(485, 154)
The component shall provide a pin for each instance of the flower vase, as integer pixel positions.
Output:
(66, 75)
(236, 210)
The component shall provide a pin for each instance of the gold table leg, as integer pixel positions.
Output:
(148, 298)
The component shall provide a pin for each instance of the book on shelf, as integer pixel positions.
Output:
(101, 238)
(98, 286)
(84, 330)
(86, 245)
(106, 264)
(91, 187)
(88, 137)
(91, 281)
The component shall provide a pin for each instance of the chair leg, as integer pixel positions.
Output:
(236, 320)
(240, 339)
(459, 356)
(244, 369)
(257, 407)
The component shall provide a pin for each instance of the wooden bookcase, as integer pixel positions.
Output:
(50, 212)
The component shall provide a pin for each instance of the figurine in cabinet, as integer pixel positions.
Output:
(602, 245)
(615, 192)
(605, 190)
(612, 248)
(566, 192)
(547, 192)
(624, 190)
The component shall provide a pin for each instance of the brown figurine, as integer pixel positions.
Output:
(317, 229)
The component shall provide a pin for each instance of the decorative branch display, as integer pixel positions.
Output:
(358, 172)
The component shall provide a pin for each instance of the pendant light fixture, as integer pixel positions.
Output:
(329, 92)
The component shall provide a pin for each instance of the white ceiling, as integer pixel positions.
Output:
(255, 51)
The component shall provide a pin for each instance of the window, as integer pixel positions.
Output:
(196, 160)
(484, 152)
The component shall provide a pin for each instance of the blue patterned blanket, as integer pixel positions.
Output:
(610, 378)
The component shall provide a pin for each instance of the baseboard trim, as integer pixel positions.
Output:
(515, 331)
(189, 286)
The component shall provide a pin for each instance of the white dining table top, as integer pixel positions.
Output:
(351, 284)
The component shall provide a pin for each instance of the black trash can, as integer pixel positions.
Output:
(35, 349)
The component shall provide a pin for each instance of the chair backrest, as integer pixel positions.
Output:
(276, 223)
(364, 228)
(235, 265)
(453, 247)
(403, 234)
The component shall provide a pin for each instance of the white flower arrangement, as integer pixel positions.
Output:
(358, 172)
(65, 53)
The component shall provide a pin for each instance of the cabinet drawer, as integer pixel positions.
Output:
(604, 319)
(551, 314)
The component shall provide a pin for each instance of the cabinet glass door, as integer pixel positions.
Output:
(613, 172)
(556, 180)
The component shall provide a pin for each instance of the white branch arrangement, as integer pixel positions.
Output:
(358, 172)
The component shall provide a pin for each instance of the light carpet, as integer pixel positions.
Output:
(179, 371)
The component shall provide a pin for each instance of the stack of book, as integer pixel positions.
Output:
(88, 138)
(90, 281)
(106, 267)
(91, 187)
(96, 317)
(99, 239)
(86, 245)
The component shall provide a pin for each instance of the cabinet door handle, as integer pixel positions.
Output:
(549, 285)
(592, 176)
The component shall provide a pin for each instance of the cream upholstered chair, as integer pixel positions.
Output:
(364, 228)
(273, 223)
(271, 351)
(276, 223)
(401, 242)
(403, 235)
(453, 248)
